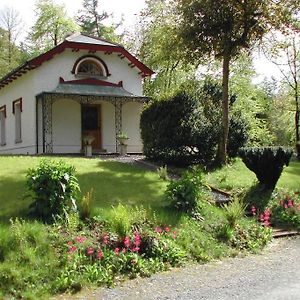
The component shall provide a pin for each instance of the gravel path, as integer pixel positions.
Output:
(274, 274)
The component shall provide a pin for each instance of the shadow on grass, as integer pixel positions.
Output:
(258, 196)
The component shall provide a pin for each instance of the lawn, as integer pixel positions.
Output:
(112, 182)
(237, 175)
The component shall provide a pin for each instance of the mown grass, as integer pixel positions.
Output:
(237, 176)
(112, 183)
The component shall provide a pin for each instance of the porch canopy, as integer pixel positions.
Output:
(83, 92)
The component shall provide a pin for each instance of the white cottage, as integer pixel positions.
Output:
(85, 86)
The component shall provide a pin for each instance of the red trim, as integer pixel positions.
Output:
(3, 108)
(91, 81)
(75, 46)
(18, 101)
(91, 56)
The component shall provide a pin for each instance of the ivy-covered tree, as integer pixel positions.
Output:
(51, 27)
(91, 21)
(224, 29)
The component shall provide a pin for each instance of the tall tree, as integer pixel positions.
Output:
(223, 29)
(285, 54)
(10, 22)
(91, 21)
(51, 26)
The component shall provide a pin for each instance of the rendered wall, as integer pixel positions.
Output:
(20, 88)
(131, 126)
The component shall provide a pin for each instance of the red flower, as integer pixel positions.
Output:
(174, 234)
(105, 239)
(135, 249)
(167, 229)
(127, 242)
(117, 251)
(253, 210)
(137, 239)
(100, 254)
(89, 251)
(72, 249)
(290, 203)
(70, 243)
(80, 239)
(158, 230)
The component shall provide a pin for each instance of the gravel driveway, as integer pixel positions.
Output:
(274, 274)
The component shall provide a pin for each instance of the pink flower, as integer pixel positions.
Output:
(135, 249)
(124, 250)
(137, 239)
(261, 217)
(298, 207)
(70, 243)
(127, 242)
(167, 229)
(80, 239)
(253, 210)
(290, 203)
(105, 239)
(174, 234)
(72, 249)
(117, 251)
(100, 254)
(267, 223)
(285, 206)
(89, 251)
(158, 230)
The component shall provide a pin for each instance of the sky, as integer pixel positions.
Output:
(129, 9)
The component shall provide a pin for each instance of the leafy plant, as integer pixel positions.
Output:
(163, 172)
(267, 163)
(53, 187)
(86, 205)
(183, 194)
(234, 211)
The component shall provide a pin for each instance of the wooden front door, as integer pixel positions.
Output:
(91, 124)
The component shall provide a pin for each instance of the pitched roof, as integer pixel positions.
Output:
(78, 42)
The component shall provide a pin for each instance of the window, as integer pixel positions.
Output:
(90, 66)
(2, 125)
(17, 111)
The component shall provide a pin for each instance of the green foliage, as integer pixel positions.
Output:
(163, 172)
(185, 129)
(91, 22)
(184, 193)
(267, 163)
(28, 262)
(51, 26)
(234, 211)
(285, 210)
(86, 205)
(53, 187)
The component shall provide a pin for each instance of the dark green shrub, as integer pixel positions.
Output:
(183, 194)
(267, 163)
(176, 131)
(53, 187)
(185, 129)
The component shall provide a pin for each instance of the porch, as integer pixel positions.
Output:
(73, 111)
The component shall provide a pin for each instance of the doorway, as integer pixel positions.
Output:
(91, 124)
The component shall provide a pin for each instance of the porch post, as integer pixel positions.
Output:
(47, 124)
(118, 121)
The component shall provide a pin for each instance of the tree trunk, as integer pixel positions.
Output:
(297, 122)
(222, 147)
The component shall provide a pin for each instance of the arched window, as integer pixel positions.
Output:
(90, 67)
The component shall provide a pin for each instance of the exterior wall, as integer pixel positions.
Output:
(46, 77)
(20, 88)
(131, 126)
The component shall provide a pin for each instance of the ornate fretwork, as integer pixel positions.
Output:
(47, 102)
(118, 121)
